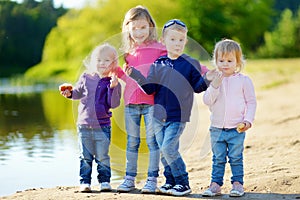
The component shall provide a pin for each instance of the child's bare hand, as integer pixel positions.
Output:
(217, 79)
(114, 81)
(127, 69)
(67, 93)
(244, 126)
(210, 74)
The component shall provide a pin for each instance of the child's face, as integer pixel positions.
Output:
(226, 63)
(105, 63)
(139, 30)
(175, 42)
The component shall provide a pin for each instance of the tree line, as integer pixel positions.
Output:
(23, 30)
(37, 34)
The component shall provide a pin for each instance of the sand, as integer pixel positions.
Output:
(271, 156)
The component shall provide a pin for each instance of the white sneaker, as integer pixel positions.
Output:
(105, 187)
(150, 186)
(85, 187)
(237, 190)
(213, 190)
(127, 185)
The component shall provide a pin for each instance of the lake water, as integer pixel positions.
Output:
(38, 140)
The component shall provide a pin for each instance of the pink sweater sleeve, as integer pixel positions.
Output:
(121, 74)
(250, 100)
(204, 69)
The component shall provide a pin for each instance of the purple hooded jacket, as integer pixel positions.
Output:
(96, 98)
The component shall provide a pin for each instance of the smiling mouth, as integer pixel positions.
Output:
(140, 38)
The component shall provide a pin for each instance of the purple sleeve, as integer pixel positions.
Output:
(78, 89)
(114, 96)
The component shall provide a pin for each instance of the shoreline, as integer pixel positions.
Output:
(72, 192)
(271, 156)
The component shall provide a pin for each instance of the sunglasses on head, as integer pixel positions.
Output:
(174, 21)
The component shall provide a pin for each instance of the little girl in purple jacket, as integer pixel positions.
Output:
(98, 90)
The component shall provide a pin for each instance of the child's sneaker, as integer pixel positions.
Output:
(105, 187)
(85, 187)
(213, 190)
(180, 190)
(237, 190)
(165, 188)
(127, 185)
(150, 186)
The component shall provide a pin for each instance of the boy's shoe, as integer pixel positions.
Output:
(213, 190)
(180, 190)
(150, 186)
(85, 187)
(237, 190)
(127, 185)
(165, 188)
(105, 187)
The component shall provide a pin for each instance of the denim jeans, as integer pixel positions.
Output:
(133, 114)
(94, 144)
(167, 136)
(227, 143)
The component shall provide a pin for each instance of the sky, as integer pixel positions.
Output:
(69, 3)
(66, 3)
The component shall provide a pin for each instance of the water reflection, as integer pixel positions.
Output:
(22, 122)
(30, 144)
(22, 113)
(38, 142)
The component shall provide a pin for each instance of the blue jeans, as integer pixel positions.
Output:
(133, 114)
(227, 143)
(167, 135)
(94, 144)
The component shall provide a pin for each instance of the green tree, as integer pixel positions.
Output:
(281, 42)
(79, 31)
(241, 20)
(297, 43)
(23, 29)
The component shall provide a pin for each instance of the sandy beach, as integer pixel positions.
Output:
(271, 156)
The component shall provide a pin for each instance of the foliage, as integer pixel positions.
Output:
(210, 22)
(283, 41)
(23, 29)
(79, 31)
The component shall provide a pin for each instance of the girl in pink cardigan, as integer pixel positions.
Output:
(232, 102)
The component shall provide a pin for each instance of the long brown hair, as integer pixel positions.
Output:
(136, 13)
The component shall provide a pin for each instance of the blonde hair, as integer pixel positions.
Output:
(91, 61)
(136, 13)
(227, 46)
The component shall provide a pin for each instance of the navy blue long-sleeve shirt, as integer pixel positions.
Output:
(173, 83)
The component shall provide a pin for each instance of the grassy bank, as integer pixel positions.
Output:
(270, 73)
